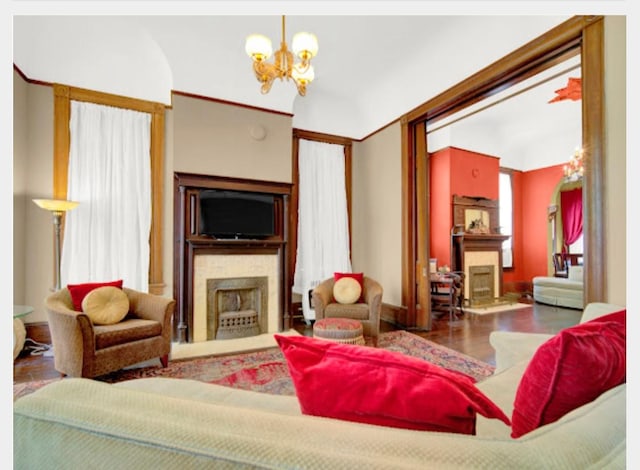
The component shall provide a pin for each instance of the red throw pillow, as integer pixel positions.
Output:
(357, 276)
(79, 291)
(381, 387)
(571, 369)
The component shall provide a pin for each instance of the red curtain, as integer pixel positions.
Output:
(571, 207)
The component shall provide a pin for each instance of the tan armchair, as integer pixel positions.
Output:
(368, 313)
(83, 349)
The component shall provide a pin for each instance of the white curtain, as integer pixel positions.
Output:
(106, 237)
(323, 227)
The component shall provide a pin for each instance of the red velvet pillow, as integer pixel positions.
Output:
(571, 369)
(357, 276)
(79, 291)
(381, 387)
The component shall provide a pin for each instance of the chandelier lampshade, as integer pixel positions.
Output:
(305, 45)
(305, 76)
(283, 67)
(258, 47)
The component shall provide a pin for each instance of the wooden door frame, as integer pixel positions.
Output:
(584, 34)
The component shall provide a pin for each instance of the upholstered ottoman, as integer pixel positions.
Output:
(340, 330)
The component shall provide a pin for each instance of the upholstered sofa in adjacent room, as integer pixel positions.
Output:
(170, 423)
(560, 291)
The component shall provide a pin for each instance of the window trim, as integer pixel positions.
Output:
(509, 172)
(63, 95)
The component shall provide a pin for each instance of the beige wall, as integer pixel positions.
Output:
(616, 171)
(214, 138)
(33, 173)
(20, 143)
(377, 211)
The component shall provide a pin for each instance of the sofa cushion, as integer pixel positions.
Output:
(569, 370)
(126, 331)
(576, 273)
(500, 388)
(558, 282)
(357, 311)
(381, 387)
(347, 290)
(79, 291)
(106, 305)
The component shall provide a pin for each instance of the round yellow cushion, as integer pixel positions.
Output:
(346, 290)
(106, 305)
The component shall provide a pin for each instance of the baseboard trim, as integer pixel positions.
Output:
(38, 332)
(394, 314)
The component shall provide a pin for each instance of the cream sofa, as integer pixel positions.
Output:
(162, 423)
(560, 291)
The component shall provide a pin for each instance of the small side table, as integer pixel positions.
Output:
(19, 331)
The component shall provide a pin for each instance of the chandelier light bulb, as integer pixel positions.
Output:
(304, 75)
(258, 47)
(574, 169)
(305, 45)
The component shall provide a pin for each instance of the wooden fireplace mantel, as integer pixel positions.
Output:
(188, 243)
(464, 242)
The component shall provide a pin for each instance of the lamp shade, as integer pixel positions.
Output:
(303, 75)
(305, 45)
(258, 47)
(55, 205)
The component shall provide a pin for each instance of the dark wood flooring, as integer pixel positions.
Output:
(469, 335)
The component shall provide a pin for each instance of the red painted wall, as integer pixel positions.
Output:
(440, 216)
(466, 173)
(538, 187)
(461, 172)
(474, 174)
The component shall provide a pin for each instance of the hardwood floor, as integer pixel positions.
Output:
(469, 335)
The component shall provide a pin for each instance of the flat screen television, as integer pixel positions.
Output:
(236, 214)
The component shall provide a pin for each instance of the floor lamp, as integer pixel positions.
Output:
(57, 207)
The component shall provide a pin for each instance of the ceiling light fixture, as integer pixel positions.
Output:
(574, 169)
(304, 46)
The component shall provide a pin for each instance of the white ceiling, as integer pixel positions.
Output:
(370, 70)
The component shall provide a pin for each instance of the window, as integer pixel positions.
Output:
(577, 246)
(62, 111)
(505, 196)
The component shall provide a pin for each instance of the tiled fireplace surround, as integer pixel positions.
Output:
(481, 259)
(214, 266)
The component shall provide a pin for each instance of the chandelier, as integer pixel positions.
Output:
(304, 46)
(574, 169)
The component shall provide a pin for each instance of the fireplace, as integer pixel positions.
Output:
(235, 283)
(199, 257)
(481, 284)
(476, 247)
(237, 307)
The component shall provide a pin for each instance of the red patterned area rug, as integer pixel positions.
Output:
(266, 371)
